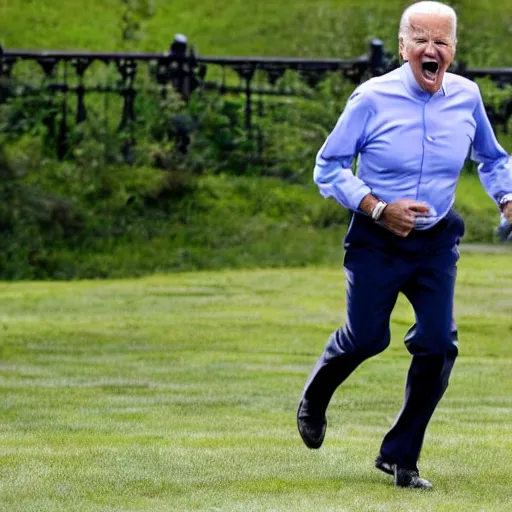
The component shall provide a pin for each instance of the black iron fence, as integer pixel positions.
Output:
(65, 74)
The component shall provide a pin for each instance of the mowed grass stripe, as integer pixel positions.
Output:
(178, 392)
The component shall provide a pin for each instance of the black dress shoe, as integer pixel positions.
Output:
(311, 427)
(384, 465)
(410, 478)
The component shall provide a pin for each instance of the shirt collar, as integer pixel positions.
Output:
(413, 87)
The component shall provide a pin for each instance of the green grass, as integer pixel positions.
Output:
(320, 28)
(178, 393)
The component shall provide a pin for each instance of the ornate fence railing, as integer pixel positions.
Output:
(65, 73)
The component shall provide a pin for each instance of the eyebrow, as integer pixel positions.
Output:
(421, 34)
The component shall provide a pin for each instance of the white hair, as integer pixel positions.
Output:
(426, 8)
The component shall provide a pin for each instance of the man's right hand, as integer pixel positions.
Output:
(399, 216)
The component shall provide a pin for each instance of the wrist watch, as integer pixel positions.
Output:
(378, 210)
(507, 198)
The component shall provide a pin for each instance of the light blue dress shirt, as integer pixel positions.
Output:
(411, 144)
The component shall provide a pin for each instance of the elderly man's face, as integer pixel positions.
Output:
(429, 48)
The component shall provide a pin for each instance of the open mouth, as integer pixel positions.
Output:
(430, 69)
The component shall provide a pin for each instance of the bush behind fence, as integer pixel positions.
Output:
(230, 106)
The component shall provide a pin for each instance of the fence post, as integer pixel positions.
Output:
(184, 80)
(178, 50)
(376, 57)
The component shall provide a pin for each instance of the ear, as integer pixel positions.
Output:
(454, 51)
(402, 49)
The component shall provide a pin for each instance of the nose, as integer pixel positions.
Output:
(430, 49)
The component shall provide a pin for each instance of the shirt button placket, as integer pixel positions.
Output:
(428, 138)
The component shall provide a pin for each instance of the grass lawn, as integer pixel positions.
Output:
(178, 393)
(293, 28)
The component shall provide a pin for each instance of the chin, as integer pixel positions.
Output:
(432, 88)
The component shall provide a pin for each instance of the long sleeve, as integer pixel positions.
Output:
(495, 169)
(332, 172)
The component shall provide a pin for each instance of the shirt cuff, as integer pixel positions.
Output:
(351, 198)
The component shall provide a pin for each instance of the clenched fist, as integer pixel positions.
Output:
(399, 216)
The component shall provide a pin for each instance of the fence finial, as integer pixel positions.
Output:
(179, 46)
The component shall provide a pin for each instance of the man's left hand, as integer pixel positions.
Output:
(507, 211)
